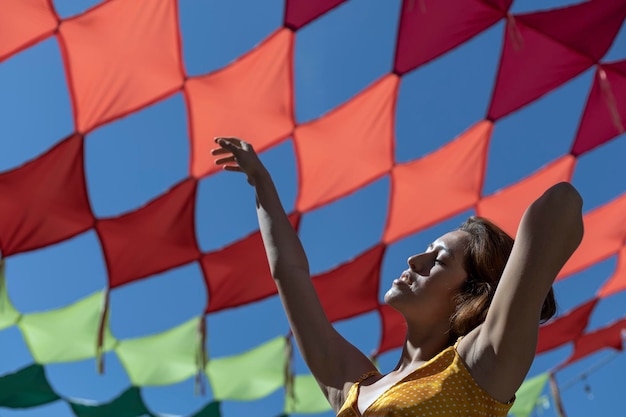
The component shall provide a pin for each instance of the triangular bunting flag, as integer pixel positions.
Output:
(351, 288)
(605, 232)
(127, 404)
(307, 398)
(545, 49)
(26, 388)
(54, 208)
(223, 271)
(23, 23)
(300, 12)
(121, 56)
(67, 334)
(251, 99)
(527, 395)
(251, 375)
(617, 282)
(506, 207)
(428, 29)
(607, 337)
(454, 174)
(363, 129)
(161, 359)
(605, 112)
(393, 329)
(152, 239)
(566, 328)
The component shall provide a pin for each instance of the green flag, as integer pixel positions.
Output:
(8, 314)
(527, 395)
(26, 388)
(212, 409)
(128, 404)
(67, 334)
(307, 397)
(161, 359)
(251, 375)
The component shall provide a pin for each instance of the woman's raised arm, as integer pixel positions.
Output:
(334, 362)
(503, 347)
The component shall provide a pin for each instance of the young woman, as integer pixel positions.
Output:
(472, 301)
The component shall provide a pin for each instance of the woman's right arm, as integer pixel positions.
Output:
(333, 361)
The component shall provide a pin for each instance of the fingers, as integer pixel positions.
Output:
(232, 152)
(227, 146)
(229, 160)
(220, 151)
(229, 141)
(229, 163)
(234, 168)
(233, 143)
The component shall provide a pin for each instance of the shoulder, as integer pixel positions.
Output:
(493, 372)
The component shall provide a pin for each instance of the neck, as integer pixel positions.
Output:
(422, 344)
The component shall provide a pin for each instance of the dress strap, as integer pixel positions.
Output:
(456, 344)
(366, 375)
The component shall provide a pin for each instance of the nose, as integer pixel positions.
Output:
(417, 263)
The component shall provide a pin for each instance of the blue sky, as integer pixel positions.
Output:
(135, 159)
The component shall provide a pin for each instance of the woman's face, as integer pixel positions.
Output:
(432, 279)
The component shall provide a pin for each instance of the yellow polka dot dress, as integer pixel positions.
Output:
(442, 387)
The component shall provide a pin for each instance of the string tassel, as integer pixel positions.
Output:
(289, 376)
(556, 395)
(516, 36)
(101, 328)
(609, 100)
(201, 357)
(422, 4)
(2, 286)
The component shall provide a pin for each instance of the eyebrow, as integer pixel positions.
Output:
(444, 248)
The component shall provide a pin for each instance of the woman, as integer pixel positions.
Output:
(448, 291)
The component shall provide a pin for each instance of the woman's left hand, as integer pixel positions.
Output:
(239, 156)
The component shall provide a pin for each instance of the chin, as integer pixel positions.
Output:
(392, 299)
(389, 296)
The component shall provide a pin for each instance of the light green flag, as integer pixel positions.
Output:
(8, 314)
(251, 375)
(161, 359)
(307, 397)
(67, 334)
(527, 395)
(128, 404)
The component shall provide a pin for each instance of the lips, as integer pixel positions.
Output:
(405, 278)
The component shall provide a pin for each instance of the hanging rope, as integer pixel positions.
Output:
(556, 395)
(517, 40)
(289, 370)
(422, 4)
(201, 356)
(104, 317)
(609, 100)
(590, 370)
(556, 392)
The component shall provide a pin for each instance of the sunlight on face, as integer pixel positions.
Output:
(432, 279)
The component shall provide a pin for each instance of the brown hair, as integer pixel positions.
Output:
(485, 258)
